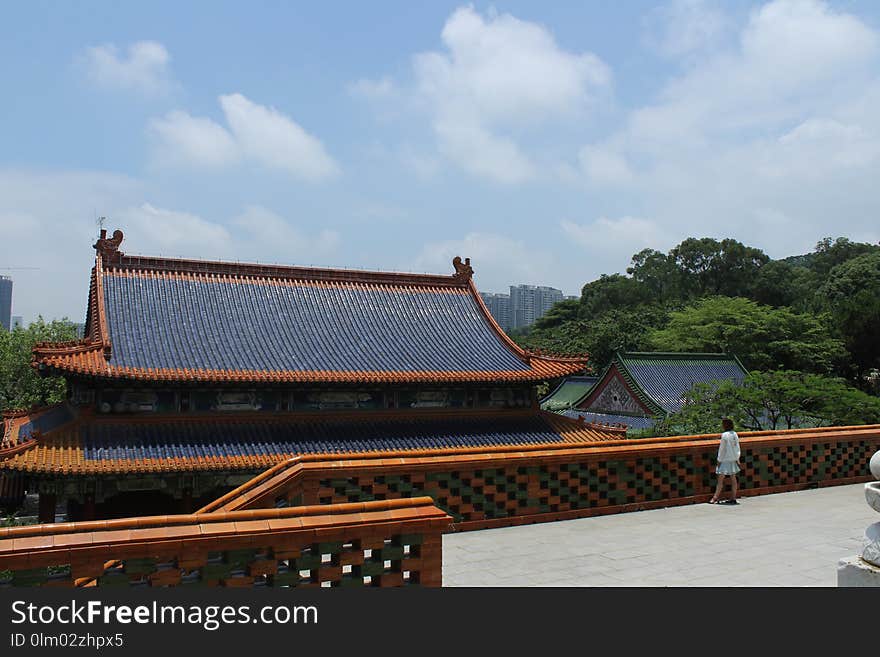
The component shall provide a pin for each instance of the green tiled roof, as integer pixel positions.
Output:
(569, 392)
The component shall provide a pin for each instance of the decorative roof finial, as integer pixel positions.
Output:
(109, 246)
(463, 270)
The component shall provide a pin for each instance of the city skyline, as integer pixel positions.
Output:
(522, 304)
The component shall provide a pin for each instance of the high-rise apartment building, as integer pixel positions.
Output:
(529, 302)
(5, 302)
(522, 306)
(499, 307)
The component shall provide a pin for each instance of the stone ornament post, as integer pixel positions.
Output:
(864, 570)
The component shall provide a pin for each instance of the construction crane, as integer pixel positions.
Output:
(14, 268)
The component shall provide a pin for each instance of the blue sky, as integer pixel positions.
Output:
(547, 141)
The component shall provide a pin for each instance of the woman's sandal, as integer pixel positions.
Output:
(714, 501)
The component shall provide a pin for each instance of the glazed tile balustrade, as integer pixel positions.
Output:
(504, 486)
(386, 543)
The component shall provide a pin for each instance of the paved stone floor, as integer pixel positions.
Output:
(788, 539)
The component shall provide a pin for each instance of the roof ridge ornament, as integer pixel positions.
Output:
(463, 270)
(109, 246)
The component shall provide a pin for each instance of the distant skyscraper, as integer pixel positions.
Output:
(499, 306)
(17, 322)
(5, 302)
(529, 302)
(522, 306)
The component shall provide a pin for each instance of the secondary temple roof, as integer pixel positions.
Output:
(68, 443)
(665, 378)
(569, 392)
(188, 320)
(638, 387)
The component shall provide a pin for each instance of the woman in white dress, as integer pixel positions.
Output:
(728, 461)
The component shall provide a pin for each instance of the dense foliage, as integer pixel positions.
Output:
(773, 400)
(851, 293)
(817, 313)
(20, 386)
(761, 336)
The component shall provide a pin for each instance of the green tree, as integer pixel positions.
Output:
(20, 386)
(831, 253)
(851, 292)
(773, 400)
(612, 292)
(762, 337)
(710, 267)
(658, 273)
(559, 313)
(780, 283)
(600, 336)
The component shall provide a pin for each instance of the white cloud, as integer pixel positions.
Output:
(773, 139)
(257, 234)
(805, 41)
(497, 78)
(479, 152)
(159, 231)
(603, 164)
(55, 233)
(685, 26)
(263, 233)
(144, 68)
(505, 70)
(425, 165)
(275, 140)
(821, 147)
(791, 54)
(381, 89)
(616, 239)
(190, 140)
(255, 133)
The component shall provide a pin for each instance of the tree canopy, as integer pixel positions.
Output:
(773, 400)
(851, 292)
(601, 336)
(20, 386)
(762, 337)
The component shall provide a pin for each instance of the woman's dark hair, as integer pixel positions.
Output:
(727, 423)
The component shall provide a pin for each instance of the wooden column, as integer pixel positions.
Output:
(47, 507)
(186, 501)
(88, 512)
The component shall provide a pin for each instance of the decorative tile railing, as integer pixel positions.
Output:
(384, 543)
(492, 487)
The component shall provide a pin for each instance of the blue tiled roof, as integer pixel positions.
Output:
(164, 322)
(631, 422)
(46, 421)
(220, 439)
(665, 377)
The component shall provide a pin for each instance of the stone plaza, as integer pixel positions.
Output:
(786, 539)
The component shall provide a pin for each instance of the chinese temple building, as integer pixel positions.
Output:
(193, 376)
(638, 389)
